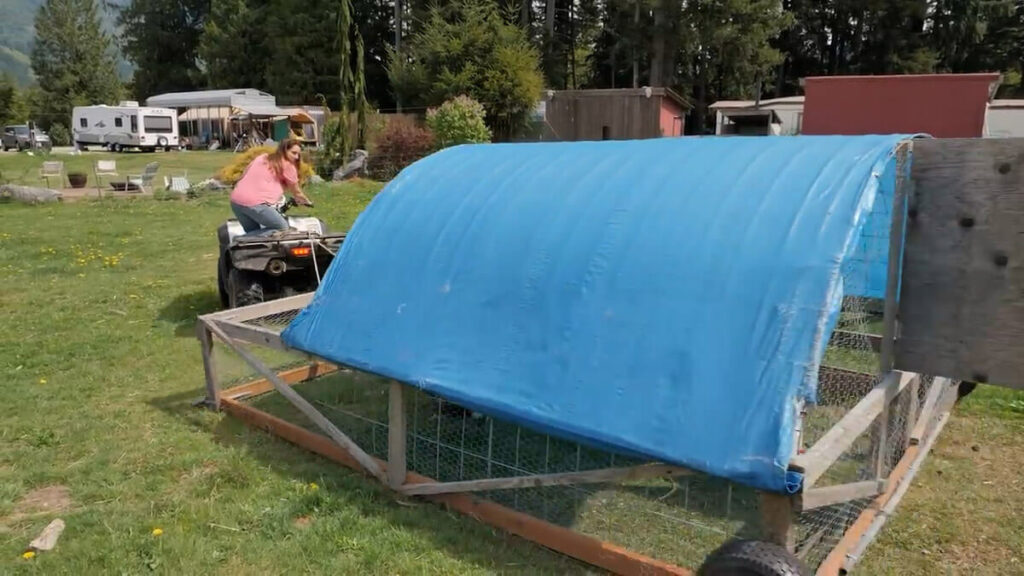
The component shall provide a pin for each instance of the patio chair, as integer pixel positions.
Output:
(104, 168)
(141, 182)
(52, 169)
(179, 184)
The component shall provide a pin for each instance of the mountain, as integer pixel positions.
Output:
(17, 33)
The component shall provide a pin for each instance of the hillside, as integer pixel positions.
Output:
(17, 32)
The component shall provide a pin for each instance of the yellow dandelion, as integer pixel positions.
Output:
(42, 380)
(28, 555)
(157, 531)
(313, 486)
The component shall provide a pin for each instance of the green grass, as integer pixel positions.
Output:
(99, 365)
(20, 168)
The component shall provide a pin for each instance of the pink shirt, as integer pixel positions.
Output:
(260, 185)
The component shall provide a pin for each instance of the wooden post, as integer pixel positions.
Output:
(396, 435)
(283, 388)
(891, 325)
(777, 520)
(912, 413)
(209, 367)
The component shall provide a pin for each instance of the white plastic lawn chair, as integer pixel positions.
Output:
(52, 169)
(104, 168)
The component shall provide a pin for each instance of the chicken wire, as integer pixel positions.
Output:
(679, 520)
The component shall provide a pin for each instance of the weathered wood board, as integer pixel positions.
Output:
(962, 298)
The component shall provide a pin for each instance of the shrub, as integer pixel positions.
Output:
(469, 47)
(59, 135)
(458, 121)
(232, 172)
(401, 143)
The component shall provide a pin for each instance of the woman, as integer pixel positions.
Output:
(263, 184)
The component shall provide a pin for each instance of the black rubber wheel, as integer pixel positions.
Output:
(222, 284)
(752, 558)
(965, 389)
(243, 289)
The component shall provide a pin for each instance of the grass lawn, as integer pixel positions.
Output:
(20, 168)
(97, 311)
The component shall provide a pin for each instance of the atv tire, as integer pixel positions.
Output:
(752, 558)
(222, 285)
(243, 289)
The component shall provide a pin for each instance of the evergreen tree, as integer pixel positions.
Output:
(161, 38)
(12, 103)
(469, 48)
(72, 59)
(233, 46)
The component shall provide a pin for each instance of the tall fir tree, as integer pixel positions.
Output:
(161, 38)
(73, 60)
(470, 48)
(233, 47)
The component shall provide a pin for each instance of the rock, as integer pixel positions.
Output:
(316, 179)
(29, 194)
(212, 184)
(47, 539)
(353, 168)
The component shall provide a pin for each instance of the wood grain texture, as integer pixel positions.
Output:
(962, 297)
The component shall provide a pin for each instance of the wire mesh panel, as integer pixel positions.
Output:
(677, 520)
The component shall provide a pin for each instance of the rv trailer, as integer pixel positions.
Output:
(126, 125)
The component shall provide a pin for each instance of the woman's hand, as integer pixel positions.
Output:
(301, 198)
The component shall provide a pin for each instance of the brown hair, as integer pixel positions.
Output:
(277, 157)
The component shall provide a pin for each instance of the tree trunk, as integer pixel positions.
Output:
(636, 41)
(524, 14)
(398, 44)
(657, 75)
(700, 106)
(549, 19)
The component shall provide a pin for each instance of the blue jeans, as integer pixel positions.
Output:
(259, 220)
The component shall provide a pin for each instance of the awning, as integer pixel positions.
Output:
(272, 112)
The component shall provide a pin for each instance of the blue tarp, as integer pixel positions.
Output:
(669, 298)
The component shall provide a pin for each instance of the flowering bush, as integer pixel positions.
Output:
(458, 121)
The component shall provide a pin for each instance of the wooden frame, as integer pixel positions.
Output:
(815, 461)
(602, 554)
(778, 511)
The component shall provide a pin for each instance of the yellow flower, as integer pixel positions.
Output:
(313, 486)
(157, 531)
(42, 380)
(28, 555)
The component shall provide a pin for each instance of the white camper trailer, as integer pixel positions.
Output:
(125, 126)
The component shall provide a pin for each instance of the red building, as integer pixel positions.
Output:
(941, 105)
(613, 114)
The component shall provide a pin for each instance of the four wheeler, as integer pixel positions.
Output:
(254, 269)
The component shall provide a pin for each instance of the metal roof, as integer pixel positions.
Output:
(721, 104)
(229, 97)
(1006, 103)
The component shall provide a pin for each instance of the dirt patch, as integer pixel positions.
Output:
(41, 501)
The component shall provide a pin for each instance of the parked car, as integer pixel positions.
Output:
(21, 137)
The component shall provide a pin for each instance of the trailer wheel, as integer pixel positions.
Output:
(243, 289)
(752, 558)
(118, 148)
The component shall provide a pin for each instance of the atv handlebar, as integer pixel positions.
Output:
(291, 202)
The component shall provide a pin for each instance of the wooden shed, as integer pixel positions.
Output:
(613, 114)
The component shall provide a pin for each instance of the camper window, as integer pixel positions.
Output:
(83, 122)
(118, 122)
(157, 124)
(135, 124)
